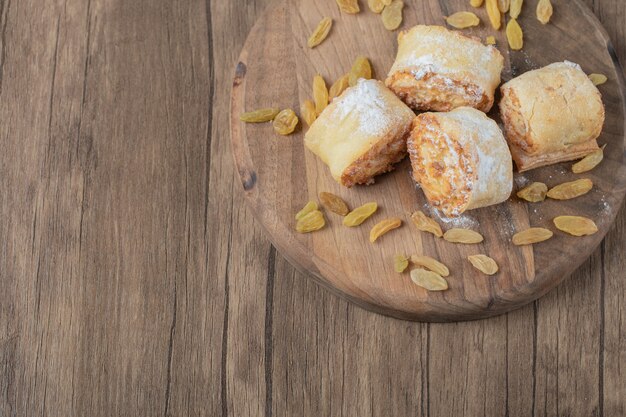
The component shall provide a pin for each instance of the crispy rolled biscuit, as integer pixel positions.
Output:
(361, 134)
(439, 69)
(550, 115)
(461, 160)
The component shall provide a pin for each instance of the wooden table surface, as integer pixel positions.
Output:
(135, 282)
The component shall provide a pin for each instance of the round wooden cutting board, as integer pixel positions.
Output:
(279, 175)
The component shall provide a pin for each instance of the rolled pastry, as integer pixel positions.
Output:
(362, 133)
(440, 70)
(550, 115)
(461, 160)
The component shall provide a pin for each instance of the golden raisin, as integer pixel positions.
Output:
(484, 264)
(311, 222)
(349, 6)
(514, 35)
(320, 33)
(490, 40)
(532, 235)
(569, 190)
(494, 14)
(320, 94)
(285, 122)
(400, 263)
(504, 5)
(534, 193)
(463, 236)
(339, 86)
(426, 224)
(360, 214)
(259, 116)
(392, 15)
(309, 207)
(376, 6)
(334, 203)
(462, 20)
(598, 79)
(516, 8)
(360, 69)
(544, 11)
(431, 264)
(589, 162)
(476, 3)
(383, 227)
(576, 225)
(308, 112)
(429, 280)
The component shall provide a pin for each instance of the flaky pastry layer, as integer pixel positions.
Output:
(438, 69)
(551, 115)
(438, 93)
(460, 159)
(361, 134)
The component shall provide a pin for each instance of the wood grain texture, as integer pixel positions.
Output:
(279, 175)
(135, 281)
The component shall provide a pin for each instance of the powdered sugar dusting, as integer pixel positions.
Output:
(471, 122)
(493, 157)
(536, 214)
(434, 49)
(365, 101)
(464, 221)
(505, 227)
(520, 180)
(516, 68)
(604, 207)
(572, 64)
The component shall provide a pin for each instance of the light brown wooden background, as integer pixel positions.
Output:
(134, 281)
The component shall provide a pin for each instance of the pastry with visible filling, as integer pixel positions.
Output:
(461, 160)
(439, 69)
(362, 133)
(552, 114)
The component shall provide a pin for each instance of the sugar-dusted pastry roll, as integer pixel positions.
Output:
(439, 69)
(550, 115)
(461, 160)
(362, 133)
